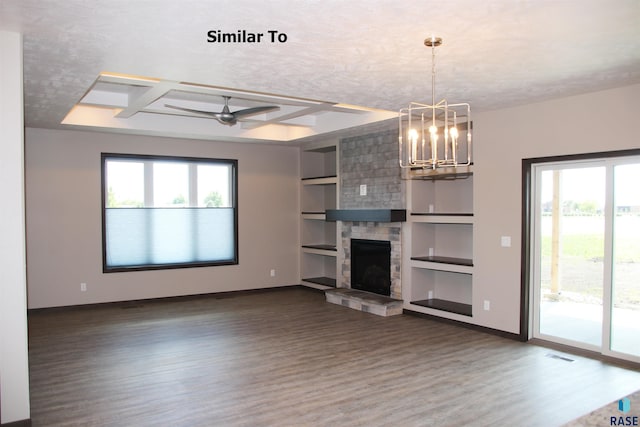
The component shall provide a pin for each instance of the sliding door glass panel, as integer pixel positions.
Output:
(571, 254)
(625, 315)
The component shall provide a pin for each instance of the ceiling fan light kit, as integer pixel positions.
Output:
(435, 135)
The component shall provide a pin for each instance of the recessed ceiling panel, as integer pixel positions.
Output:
(130, 103)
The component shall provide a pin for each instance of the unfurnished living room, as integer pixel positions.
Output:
(319, 213)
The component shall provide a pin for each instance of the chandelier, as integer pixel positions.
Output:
(437, 135)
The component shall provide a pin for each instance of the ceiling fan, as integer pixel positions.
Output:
(226, 116)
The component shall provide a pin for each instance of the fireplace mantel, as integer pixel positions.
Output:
(368, 215)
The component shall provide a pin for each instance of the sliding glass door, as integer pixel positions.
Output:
(586, 254)
(570, 252)
(625, 292)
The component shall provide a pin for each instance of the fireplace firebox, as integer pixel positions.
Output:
(371, 266)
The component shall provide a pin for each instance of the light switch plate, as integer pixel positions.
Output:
(505, 241)
(363, 189)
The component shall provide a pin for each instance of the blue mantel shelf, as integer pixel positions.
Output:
(367, 215)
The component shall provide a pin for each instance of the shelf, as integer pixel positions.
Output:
(445, 260)
(465, 214)
(320, 249)
(417, 262)
(321, 180)
(454, 267)
(325, 247)
(324, 281)
(314, 215)
(331, 148)
(444, 305)
(442, 218)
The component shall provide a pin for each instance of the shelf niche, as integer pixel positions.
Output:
(442, 290)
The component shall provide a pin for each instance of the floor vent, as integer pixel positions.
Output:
(555, 356)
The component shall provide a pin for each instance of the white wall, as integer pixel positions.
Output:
(602, 121)
(14, 373)
(64, 241)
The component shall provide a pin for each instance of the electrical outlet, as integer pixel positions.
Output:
(273, 272)
(431, 252)
(83, 287)
(363, 189)
(431, 208)
(487, 305)
(430, 295)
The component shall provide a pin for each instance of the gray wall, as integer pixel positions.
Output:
(64, 219)
(372, 160)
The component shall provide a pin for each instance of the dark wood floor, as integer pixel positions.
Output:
(287, 358)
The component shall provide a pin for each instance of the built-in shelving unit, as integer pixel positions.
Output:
(318, 193)
(439, 259)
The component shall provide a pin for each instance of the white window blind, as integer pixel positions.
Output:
(168, 212)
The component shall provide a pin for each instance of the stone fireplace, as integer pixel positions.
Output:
(377, 288)
(371, 160)
(374, 231)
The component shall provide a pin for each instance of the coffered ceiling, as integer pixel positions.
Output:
(115, 65)
(147, 105)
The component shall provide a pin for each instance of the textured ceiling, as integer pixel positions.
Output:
(362, 52)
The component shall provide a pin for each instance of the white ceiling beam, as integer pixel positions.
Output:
(147, 97)
(126, 79)
(248, 95)
(292, 115)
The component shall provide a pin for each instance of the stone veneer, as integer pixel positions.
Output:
(373, 231)
(371, 159)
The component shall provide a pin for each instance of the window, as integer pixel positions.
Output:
(168, 212)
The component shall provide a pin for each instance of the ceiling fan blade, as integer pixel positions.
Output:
(190, 110)
(226, 117)
(255, 110)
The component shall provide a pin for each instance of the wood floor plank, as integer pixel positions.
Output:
(287, 358)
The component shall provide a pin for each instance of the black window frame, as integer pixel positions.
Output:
(178, 159)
